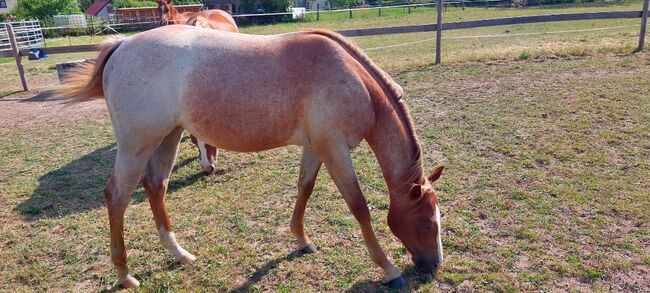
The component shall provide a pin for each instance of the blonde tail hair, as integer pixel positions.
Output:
(84, 82)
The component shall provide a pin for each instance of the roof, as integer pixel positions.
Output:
(96, 7)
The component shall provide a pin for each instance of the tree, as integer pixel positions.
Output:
(342, 3)
(276, 5)
(247, 6)
(44, 9)
(149, 3)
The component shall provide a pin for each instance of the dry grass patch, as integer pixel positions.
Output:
(545, 188)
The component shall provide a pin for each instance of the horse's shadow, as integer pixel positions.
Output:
(78, 186)
(415, 280)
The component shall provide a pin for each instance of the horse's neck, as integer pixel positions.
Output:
(175, 16)
(396, 149)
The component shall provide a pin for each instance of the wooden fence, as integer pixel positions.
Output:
(438, 27)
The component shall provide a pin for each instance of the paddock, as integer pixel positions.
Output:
(545, 186)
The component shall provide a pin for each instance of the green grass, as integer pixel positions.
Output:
(545, 188)
(545, 140)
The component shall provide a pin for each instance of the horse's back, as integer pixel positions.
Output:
(243, 92)
(214, 19)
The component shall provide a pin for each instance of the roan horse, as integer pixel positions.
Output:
(342, 99)
(211, 19)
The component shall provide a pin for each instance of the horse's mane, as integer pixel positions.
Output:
(413, 174)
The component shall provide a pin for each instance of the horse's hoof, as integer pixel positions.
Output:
(186, 259)
(129, 282)
(396, 283)
(311, 248)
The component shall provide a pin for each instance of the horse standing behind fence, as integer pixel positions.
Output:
(211, 19)
(342, 99)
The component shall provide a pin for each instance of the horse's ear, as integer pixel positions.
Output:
(436, 174)
(416, 191)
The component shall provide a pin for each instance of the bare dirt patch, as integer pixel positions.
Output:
(38, 107)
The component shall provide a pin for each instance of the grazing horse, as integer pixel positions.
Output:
(341, 99)
(212, 19)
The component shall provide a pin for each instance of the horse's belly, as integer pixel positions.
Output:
(245, 124)
(247, 139)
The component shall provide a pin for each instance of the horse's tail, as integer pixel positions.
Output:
(84, 82)
(379, 75)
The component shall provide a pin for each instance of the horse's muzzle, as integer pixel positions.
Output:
(425, 266)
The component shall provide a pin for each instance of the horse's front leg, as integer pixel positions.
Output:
(309, 166)
(339, 165)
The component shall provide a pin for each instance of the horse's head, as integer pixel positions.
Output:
(415, 220)
(164, 7)
(207, 154)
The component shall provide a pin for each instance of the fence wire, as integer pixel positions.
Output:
(499, 36)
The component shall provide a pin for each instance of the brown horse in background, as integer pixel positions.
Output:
(342, 98)
(212, 19)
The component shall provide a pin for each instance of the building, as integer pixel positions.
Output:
(7, 6)
(314, 4)
(102, 9)
(230, 6)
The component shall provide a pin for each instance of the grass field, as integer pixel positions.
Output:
(546, 184)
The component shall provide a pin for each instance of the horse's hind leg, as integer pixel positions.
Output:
(131, 159)
(155, 182)
(309, 166)
(339, 165)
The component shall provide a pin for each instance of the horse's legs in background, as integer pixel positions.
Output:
(129, 163)
(207, 154)
(309, 166)
(339, 165)
(155, 182)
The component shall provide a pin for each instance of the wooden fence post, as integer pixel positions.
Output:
(14, 47)
(438, 31)
(350, 13)
(644, 23)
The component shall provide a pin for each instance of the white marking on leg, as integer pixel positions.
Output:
(440, 256)
(203, 159)
(168, 241)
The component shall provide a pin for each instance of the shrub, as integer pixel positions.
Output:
(45, 9)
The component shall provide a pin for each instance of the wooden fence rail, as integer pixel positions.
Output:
(430, 27)
(491, 22)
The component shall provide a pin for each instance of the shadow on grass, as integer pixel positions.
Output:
(78, 186)
(9, 93)
(142, 277)
(45, 96)
(263, 271)
(414, 281)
